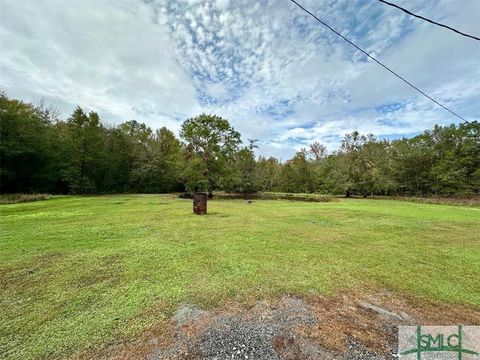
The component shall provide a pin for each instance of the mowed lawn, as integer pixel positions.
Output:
(78, 273)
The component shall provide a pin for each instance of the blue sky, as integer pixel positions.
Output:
(276, 74)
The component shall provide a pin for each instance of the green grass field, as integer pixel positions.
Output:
(78, 273)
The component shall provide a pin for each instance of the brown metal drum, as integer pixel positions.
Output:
(200, 203)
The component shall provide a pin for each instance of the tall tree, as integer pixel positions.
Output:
(457, 158)
(27, 147)
(412, 163)
(166, 160)
(211, 145)
(139, 148)
(297, 174)
(359, 165)
(245, 165)
(268, 173)
(318, 154)
(84, 146)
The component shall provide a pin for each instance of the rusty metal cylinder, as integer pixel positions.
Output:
(200, 203)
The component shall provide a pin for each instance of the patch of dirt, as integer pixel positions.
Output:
(352, 325)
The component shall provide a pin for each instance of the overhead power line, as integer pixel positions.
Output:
(430, 21)
(378, 62)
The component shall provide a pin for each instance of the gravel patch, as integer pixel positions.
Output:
(187, 313)
(266, 332)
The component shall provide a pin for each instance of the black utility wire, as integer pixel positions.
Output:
(377, 61)
(430, 21)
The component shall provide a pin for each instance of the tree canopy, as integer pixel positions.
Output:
(40, 152)
(211, 145)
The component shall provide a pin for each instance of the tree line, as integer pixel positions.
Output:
(39, 152)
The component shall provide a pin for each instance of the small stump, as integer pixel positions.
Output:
(200, 203)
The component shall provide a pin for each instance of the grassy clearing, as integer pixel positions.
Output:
(78, 273)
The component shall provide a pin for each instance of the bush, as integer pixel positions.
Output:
(275, 196)
(20, 198)
(185, 195)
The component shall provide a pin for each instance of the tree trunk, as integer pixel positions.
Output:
(209, 180)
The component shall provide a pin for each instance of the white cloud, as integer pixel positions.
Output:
(276, 74)
(222, 4)
(106, 56)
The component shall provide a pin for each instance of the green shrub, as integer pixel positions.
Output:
(275, 196)
(20, 198)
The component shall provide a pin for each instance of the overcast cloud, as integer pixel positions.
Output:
(277, 75)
